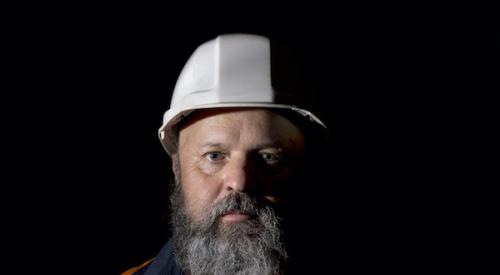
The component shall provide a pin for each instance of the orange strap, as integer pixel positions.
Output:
(134, 269)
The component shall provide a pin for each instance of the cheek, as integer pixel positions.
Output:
(200, 193)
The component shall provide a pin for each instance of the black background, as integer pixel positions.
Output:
(92, 85)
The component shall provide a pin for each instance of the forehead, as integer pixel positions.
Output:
(240, 126)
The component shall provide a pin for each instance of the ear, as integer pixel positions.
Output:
(176, 166)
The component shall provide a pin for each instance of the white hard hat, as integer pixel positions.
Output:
(233, 70)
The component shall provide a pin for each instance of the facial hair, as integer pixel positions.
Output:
(207, 247)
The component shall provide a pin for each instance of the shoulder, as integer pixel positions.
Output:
(141, 267)
(163, 263)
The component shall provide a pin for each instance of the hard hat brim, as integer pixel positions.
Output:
(172, 117)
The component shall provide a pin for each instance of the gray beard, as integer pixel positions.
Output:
(244, 248)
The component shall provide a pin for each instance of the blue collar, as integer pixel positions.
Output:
(163, 264)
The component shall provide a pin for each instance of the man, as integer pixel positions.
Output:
(238, 144)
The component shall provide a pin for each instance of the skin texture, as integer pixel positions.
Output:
(235, 150)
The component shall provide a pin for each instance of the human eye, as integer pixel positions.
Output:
(214, 156)
(271, 158)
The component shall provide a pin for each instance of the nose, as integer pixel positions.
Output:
(238, 175)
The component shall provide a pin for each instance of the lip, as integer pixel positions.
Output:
(235, 217)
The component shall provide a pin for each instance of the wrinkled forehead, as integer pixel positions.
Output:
(242, 125)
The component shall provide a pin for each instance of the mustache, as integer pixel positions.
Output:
(235, 202)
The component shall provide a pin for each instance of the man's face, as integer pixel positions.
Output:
(227, 151)
(230, 169)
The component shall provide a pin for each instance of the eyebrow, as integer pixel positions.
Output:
(211, 144)
(258, 146)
